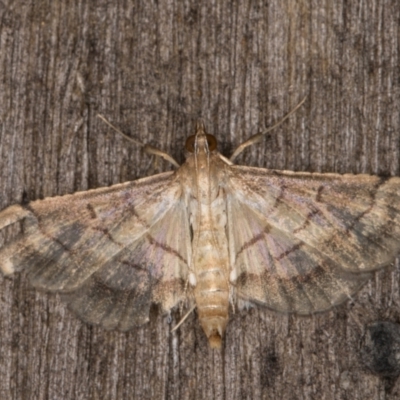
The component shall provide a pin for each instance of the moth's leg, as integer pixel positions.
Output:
(183, 318)
(146, 147)
(152, 150)
(257, 137)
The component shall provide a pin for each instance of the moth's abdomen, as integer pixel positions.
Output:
(212, 299)
(212, 287)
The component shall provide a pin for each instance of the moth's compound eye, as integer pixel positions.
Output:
(189, 145)
(211, 141)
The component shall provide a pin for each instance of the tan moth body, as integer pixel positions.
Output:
(212, 235)
(202, 178)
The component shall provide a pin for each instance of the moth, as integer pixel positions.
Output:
(210, 235)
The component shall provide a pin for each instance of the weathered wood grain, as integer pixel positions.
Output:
(153, 68)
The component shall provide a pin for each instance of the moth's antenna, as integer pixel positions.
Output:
(183, 319)
(146, 147)
(257, 137)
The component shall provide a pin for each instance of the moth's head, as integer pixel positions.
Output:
(201, 141)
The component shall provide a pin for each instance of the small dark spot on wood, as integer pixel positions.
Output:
(380, 349)
(270, 367)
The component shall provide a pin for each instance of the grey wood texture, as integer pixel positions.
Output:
(152, 68)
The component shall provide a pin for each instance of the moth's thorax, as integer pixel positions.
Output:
(202, 176)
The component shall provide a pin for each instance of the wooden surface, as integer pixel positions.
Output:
(153, 68)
